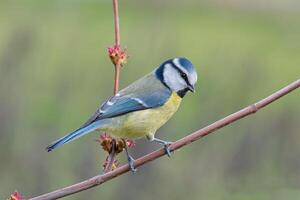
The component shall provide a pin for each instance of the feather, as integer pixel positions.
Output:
(76, 134)
(145, 93)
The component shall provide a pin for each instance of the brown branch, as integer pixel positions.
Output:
(111, 157)
(117, 42)
(116, 21)
(117, 78)
(112, 154)
(97, 180)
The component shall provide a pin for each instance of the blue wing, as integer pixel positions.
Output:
(145, 93)
(122, 105)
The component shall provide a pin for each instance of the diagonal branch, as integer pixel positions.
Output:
(98, 180)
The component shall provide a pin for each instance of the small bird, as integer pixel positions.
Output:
(141, 108)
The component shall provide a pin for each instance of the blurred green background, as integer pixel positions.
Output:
(54, 72)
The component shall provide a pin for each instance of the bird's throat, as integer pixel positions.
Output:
(183, 92)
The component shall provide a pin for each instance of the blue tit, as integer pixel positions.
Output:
(141, 108)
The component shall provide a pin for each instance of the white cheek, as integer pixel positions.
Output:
(193, 79)
(173, 79)
(180, 80)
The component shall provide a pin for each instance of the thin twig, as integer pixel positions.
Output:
(117, 42)
(112, 155)
(97, 180)
(117, 78)
(116, 21)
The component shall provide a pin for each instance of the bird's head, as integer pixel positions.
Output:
(178, 74)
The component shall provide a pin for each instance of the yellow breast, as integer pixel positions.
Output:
(146, 122)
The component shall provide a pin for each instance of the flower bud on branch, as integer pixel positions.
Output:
(106, 142)
(117, 55)
(15, 196)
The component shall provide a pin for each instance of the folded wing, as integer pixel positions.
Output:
(143, 94)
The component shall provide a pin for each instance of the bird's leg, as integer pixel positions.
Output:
(165, 143)
(129, 158)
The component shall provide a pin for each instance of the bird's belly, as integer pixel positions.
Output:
(144, 122)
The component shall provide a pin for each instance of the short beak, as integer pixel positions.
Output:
(191, 88)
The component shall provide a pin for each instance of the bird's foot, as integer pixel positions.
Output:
(166, 145)
(167, 148)
(129, 158)
(131, 164)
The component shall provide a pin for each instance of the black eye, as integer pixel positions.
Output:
(183, 75)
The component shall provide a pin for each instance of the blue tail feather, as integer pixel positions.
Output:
(76, 134)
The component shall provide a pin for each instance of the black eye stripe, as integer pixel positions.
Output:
(181, 73)
(185, 78)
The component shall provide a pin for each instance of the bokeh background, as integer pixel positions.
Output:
(54, 72)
